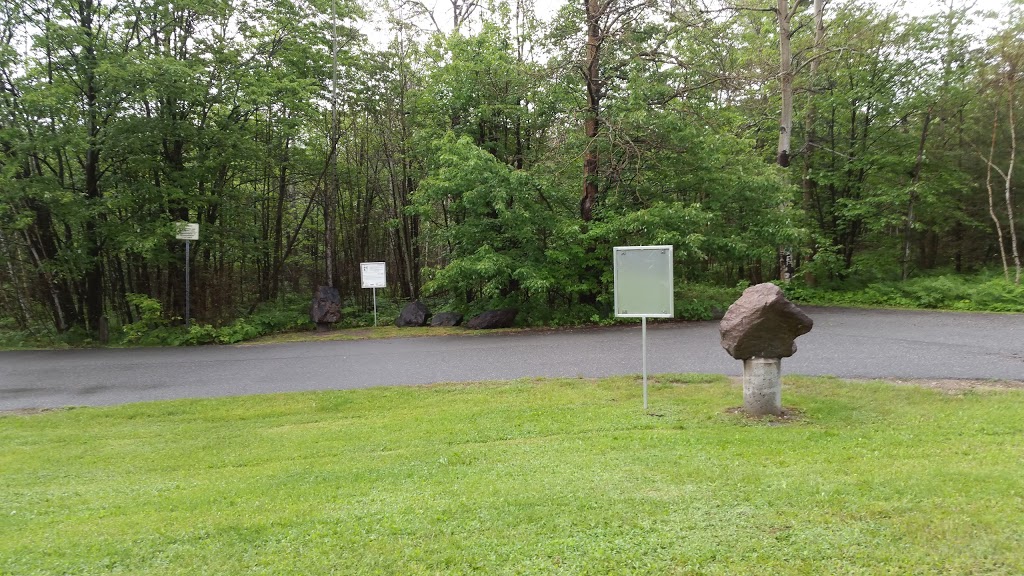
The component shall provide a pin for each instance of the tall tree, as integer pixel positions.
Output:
(1006, 64)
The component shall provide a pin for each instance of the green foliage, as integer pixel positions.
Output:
(360, 314)
(983, 293)
(13, 339)
(504, 234)
(153, 329)
(515, 238)
(704, 301)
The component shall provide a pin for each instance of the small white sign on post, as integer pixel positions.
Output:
(373, 275)
(643, 288)
(187, 231)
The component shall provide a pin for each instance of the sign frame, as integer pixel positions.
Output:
(373, 274)
(187, 231)
(637, 297)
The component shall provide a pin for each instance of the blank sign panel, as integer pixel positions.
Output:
(643, 281)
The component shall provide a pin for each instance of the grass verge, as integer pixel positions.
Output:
(528, 477)
(373, 333)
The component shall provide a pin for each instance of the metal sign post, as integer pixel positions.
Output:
(187, 232)
(373, 275)
(643, 352)
(643, 289)
(188, 289)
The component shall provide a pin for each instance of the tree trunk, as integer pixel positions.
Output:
(990, 163)
(810, 117)
(282, 192)
(785, 17)
(94, 266)
(591, 123)
(908, 225)
(24, 315)
(807, 184)
(1008, 177)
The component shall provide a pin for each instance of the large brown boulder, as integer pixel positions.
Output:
(763, 324)
(326, 308)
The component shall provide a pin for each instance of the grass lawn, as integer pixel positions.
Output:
(527, 477)
(373, 333)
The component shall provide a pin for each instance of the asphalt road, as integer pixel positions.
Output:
(846, 343)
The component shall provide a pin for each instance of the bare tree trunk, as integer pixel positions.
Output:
(990, 162)
(25, 315)
(462, 11)
(785, 13)
(592, 76)
(94, 272)
(330, 197)
(58, 295)
(282, 192)
(1008, 177)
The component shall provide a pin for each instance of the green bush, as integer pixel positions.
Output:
(151, 328)
(705, 301)
(290, 313)
(981, 293)
(14, 339)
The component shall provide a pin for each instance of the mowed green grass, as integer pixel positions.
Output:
(527, 477)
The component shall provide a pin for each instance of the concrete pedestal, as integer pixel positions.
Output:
(762, 386)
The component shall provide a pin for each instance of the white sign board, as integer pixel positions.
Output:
(187, 231)
(373, 275)
(643, 281)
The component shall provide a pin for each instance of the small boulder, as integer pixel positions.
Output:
(326, 308)
(414, 313)
(446, 319)
(493, 319)
(762, 323)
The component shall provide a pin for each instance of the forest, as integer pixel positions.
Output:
(492, 154)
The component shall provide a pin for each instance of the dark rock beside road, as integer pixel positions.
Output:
(414, 313)
(446, 319)
(493, 319)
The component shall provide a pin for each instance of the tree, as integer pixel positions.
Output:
(1006, 64)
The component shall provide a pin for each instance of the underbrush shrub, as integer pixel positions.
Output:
(153, 329)
(356, 314)
(998, 295)
(13, 338)
(705, 301)
(981, 293)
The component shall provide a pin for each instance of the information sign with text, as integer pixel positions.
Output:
(373, 275)
(187, 231)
